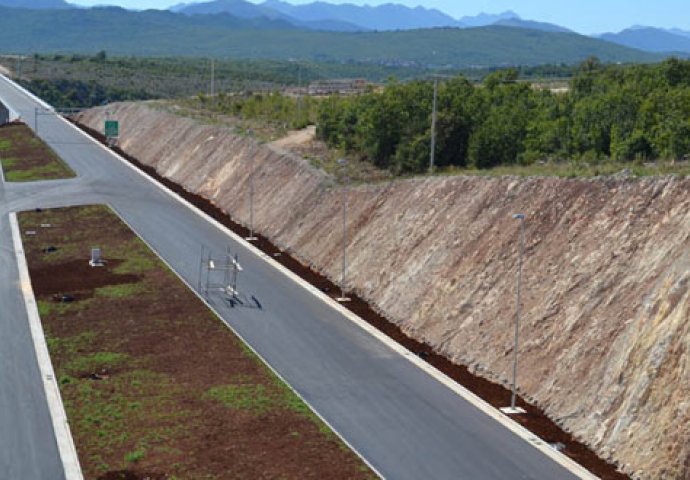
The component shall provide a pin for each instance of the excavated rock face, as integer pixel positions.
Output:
(605, 335)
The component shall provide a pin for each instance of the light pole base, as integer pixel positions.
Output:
(251, 239)
(513, 411)
(343, 299)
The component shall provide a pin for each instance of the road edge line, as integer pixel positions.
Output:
(246, 343)
(63, 436)
(528, 436)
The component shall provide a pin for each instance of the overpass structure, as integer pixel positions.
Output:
(404, 419)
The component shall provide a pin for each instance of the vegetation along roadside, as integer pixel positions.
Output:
(25, 157)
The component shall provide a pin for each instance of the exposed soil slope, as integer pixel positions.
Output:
(605, 334)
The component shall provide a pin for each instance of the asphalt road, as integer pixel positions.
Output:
(404, 422)
(27, 442)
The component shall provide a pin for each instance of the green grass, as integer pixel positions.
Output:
(135, 456)
(138, 258)
(41, 163)
(66, 249)
(242, 394)
(69, 345)
(95, 362)
(46, 307)
(249, 397)
(121, 291)
(45, 172)
(8, 163)
(106, 415)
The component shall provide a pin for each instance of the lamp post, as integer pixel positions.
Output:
(343, 162)
(251, 237)
(513, 398)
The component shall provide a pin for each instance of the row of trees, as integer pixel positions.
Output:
(619, 112)
(77, 94)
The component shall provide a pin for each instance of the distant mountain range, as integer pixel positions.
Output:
(348, 17)
(235, 18)
(678, 31)
(243, 9)
(36, 4)
(342, 17)
(652, 39)
(383, 17)
(484, 19)
(518, 22)
(158, 33)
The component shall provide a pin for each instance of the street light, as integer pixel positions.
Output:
(343, 162)
(251, 237)
(513, 409)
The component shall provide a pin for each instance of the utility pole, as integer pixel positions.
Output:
(213, 82)
(299, 92)
(343, 163)
(432, 156)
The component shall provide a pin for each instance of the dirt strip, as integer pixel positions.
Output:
(155, 386)
(498, 396)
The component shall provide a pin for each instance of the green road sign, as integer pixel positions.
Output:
(112, 128)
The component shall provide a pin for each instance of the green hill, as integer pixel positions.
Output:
(161, 33)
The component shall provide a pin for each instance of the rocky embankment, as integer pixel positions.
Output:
(605, 334)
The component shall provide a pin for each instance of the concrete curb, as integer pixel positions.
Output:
(476, 401)
(65, 443)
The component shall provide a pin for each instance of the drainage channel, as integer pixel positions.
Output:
(535, 420)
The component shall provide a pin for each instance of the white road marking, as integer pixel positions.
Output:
(65, 443)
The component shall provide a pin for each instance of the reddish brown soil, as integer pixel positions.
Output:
(497, 395)
(77, 276)
(183, 349)
(31, 158)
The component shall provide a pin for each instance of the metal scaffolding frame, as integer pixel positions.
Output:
(210, 269)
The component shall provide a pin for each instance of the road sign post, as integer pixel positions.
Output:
(112, 130)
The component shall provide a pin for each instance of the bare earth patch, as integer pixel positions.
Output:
(154, 385)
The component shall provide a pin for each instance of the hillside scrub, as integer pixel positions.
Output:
(632, 113)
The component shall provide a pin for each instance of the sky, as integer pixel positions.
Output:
(584, 16)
